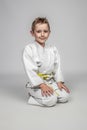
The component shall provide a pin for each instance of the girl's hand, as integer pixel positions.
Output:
(46, 90)
(63, 86)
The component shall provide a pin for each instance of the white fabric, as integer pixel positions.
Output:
(32, 101)
(44, 60)
(42, 100)
(37, 99)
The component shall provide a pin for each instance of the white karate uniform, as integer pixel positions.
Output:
(45, 60)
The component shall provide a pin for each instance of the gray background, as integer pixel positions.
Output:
(68, 20)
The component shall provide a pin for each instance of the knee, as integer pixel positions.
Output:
(50, 101)
(64, 98)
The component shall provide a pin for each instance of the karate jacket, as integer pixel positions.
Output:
(45, 60)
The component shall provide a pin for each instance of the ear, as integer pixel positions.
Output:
(32, 33)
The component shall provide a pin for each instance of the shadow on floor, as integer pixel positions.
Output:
(14, 85)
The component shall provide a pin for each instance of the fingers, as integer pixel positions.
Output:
(47, 92)
(51, 90)
(63, 86)
(66, 89)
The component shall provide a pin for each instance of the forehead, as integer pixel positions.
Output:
(41, 26)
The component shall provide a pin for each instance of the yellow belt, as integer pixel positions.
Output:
(45, 76)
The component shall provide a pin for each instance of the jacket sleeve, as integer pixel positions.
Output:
(31, 67)
(57, 67)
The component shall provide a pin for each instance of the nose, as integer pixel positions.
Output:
(42, 33)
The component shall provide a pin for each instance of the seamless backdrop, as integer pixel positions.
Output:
(68, 20)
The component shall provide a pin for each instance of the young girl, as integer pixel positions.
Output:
(42, 63)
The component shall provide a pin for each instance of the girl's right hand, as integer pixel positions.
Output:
(46, 90)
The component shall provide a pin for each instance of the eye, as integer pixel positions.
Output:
(39, 31)
(46, 31)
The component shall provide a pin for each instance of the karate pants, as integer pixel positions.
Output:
(36, 98)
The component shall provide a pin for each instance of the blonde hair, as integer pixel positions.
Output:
(41, 20)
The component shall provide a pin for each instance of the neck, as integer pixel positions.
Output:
(42, 44)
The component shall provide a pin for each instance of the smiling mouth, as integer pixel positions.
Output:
(42, 38)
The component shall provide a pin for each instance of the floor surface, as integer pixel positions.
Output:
(16, 114)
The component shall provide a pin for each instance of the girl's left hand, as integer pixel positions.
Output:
(63, 86)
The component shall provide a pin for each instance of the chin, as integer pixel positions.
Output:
(41, 42)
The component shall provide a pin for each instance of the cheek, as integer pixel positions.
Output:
(47, 35)
(37, 35)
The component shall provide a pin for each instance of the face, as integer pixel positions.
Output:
(41, 33)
